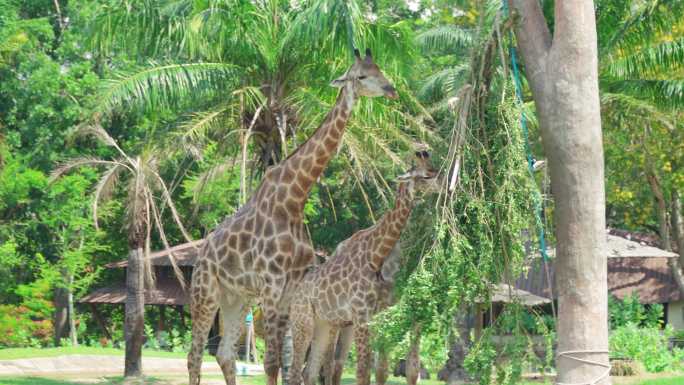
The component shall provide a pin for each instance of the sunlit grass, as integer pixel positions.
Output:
(17, 353)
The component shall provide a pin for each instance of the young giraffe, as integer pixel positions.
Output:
(263, 250)
(344, 290)
(338, 350)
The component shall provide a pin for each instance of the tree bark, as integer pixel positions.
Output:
(61, 319)
(453, 371)
(382, 367)
(562, 71)
(413, 358)
(72, 313)
(661, 210)
(678, 233)
(134, 323)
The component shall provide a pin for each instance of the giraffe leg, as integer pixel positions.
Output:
(319, 345)
(233, 311)
(275, 326)
(329, 360)
(343, 346)
(203, 309)
(363, 354)
(302, 333)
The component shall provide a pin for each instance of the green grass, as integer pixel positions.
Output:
(47, 381)
(16, 353)
(347, 379)
(664, 381)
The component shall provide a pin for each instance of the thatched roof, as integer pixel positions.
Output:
(167, 291)
(632, 268)
(619, 247)
(185, 254)
(505, 293)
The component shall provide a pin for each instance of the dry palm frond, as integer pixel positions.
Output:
(105, 188)
(80, 162)
(162, 235)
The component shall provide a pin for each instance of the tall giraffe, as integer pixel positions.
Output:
(263, 250)
(344, 290)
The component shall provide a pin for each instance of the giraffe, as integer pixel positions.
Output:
(343, 291)
(338, 350)
(263, 250)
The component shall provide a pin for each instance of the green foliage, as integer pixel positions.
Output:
(649, 345)
(630, 311)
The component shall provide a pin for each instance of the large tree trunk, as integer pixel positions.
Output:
(563, 73)
(134, 323)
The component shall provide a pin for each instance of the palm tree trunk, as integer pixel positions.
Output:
(134, 324)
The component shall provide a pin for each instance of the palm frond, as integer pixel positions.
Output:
(447, 38)
(104, 189)
(81, 162)
(666, 92)
(658, 59)
(166, 84)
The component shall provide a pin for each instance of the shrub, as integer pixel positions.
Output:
(17, 329)
(648, 345)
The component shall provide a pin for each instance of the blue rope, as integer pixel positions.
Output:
(538, 208)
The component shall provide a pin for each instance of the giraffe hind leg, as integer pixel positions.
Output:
(203, 307)
(233, 311)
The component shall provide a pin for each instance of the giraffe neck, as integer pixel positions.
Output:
(308, 161)
(386, 233)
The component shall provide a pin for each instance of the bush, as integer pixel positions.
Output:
(17, 329)
(648, 345)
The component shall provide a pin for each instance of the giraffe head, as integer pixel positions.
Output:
(422, 175)
(365, 78)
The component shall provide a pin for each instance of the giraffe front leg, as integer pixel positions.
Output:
(343, 346)
(233, 312)
(319, 345)
(363, 354)
(302, 324)
(275, 325)
(329, 359)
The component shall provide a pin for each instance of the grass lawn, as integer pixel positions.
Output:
(347, 379)
(16, 353)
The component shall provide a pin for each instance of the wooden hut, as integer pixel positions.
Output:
(633, 267)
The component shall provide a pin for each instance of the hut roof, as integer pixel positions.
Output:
(185, 254)
(505, 293)
(632, 268)
(167, 291)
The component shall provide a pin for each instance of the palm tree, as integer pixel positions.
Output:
(143, 216)
(251, 71)
(642, 91)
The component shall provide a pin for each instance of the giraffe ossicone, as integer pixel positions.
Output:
(262, 251)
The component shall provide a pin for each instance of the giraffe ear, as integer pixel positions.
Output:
(339, 82)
